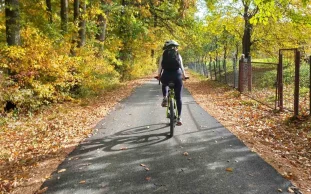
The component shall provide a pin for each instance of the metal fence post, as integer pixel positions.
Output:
(219, 70)
(225, 70)
(234, 72)
(241, 72)
(249, 73)
(215, 69)
(280, 81)
(296, 92)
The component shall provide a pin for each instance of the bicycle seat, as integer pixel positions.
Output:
(171, 85)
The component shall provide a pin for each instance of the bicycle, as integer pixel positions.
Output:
(171, 109)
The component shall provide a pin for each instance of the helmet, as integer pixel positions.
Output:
(170, 43)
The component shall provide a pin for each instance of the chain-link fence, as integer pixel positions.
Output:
(304, 86)
(222, 70)
(282, 84)
(263, 86)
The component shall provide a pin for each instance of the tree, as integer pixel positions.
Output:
(12, 14)
(82, 25)
(64, 15)
(250, 11)
(49, 10)
(102, 21)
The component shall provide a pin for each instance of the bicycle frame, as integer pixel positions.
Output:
(171, 95)
(171, 110)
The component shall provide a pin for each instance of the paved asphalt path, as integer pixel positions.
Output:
(138, 123)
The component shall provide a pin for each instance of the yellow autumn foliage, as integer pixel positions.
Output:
(41, 72)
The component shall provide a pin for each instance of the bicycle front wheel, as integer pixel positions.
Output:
(172, 117)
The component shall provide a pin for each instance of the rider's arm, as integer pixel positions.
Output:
(160, 67)
(182, 67)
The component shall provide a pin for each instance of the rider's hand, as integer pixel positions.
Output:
(159, 76)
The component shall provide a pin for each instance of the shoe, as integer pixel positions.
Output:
(164, 102)
(179, 122)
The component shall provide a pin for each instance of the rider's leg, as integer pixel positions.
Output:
(178, 91)
(164, 81)
(164, 90)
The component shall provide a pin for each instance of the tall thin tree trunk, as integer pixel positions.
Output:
(247, 39)
(154, 25)
(12, 23)
(76, 13)
(64, 15)
(247, 33)
(82, 25)
(49, 10)
(101, 25)
(122, 32)
(76, 10)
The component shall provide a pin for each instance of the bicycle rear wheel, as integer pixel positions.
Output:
(172, 116)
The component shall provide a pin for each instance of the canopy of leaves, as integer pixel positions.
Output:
(274, 25)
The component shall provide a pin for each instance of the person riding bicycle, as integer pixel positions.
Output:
(173, 71)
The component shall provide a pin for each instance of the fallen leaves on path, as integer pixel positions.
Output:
(62, 170)
(229, 169)
(281, 141)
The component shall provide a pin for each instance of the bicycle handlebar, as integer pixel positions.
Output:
(157, 77)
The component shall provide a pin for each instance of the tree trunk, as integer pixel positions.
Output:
(247, 39)
(102, 25)
(49, 10)
(76, 11)
(237, 51)
(64, 15)
(154, 25)
(247, 33)
(12, 22)
(82, 24)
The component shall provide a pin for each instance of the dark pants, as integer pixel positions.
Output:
(176, 78)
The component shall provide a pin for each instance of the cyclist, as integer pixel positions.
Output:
(173, 70)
